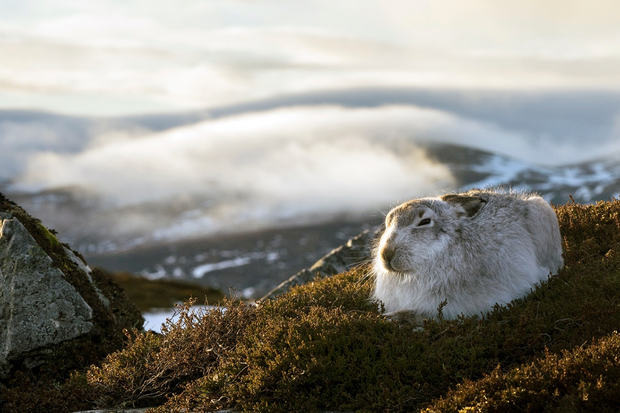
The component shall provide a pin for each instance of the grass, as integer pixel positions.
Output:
(324, 346)
(152, 294)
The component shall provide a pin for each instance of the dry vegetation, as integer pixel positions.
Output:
(324, 346)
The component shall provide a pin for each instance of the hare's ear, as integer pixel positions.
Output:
(470, 204)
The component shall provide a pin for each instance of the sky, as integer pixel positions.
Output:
(231, 113)
(111, 58)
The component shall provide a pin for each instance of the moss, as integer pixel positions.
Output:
(47, 235)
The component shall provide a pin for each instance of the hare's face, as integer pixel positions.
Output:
(413, 235)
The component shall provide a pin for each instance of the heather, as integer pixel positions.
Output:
(325, 346)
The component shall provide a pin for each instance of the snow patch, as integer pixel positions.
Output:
(153, 320)
(201, 270)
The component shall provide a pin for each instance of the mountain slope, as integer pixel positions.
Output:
(586, 182)
(255, 261)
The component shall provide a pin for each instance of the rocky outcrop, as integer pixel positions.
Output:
(39, 307)
(56, 313)
(356, 251)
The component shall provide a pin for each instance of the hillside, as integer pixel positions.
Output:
(323, 346)
(585, 182)
(254, 261)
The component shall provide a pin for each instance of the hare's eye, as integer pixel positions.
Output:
(425, 221)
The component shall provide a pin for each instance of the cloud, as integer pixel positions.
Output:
(291, 155)
(252, 170)
(253, 50)
(525, 28)
(22, 134)
(276, 167)
(279, 155)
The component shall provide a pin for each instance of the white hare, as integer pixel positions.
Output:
(472, 250)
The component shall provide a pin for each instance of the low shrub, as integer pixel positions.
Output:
(325, 346)
(155, 366)
(28, 394)
(584, 379)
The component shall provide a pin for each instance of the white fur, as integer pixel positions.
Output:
(480, 248)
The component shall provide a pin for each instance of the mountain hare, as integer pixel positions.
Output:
(473, 249)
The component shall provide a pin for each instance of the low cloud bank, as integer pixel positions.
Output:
(259, 169)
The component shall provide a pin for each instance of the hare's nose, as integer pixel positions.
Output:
(387, 255)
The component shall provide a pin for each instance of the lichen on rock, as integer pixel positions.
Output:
(39, 306)
(55, 312)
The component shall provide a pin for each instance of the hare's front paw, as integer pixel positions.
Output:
(406, 317)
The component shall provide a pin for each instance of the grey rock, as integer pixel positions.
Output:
(38, 307)
(354, 252)
(140, 410)
(86, 269)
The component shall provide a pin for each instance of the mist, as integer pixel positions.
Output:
(259, 168)
(228, 116)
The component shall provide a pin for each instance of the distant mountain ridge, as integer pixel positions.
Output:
(585, 182)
